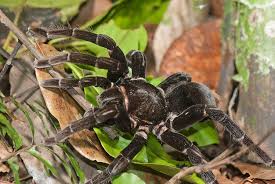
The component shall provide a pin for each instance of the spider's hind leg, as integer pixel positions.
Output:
(200, 111)
(237, 133)
(182, 144)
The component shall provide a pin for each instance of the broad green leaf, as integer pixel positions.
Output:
(131, 14)
(126, 39)
(80, 174)
(127, 177)
(203, 133)
(134, 13)
(90, 92)
(13, 163)
(152, 155)
(6, 128)
(47, 164)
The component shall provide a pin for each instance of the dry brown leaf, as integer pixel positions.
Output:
(66, 110)
(197, 52)
(179, 17)
(221, 178)
(216, 8)
(4, 151)
(256, 171)
(21, 81)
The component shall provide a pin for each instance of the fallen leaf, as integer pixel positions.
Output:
(22, 80)
(4, 151)
(65, 110)
(256, 171)
(216, 8)
(179, 17)
(197, 52)
(221, 178)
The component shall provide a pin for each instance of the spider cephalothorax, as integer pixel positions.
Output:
(136, 106)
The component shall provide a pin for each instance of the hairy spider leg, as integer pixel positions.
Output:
(83, 82)
(80, 58)
(174, 80)
(187, 118)
(99, 39)
(98, 118)
(219, 116)
(121, 163)
(182, 144)
(137, 61)
(199, 111)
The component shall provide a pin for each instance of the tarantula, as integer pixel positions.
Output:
(136, 106)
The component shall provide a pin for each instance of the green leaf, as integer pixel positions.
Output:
(3, 108)
(80, 174)
(90, 92)
(127, 177)
(6, 128)
(40, 3)
(126, 39)
(13, 163)
(67, 8)
(203, 133)
(134, 13)
(154, 81)
(152, 155)
(47, 164)
(66, 166)
(26, 114)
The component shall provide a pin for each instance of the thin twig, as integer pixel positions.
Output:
(8, 63)
(211, 165)
(232, 102)
(22, 37)
(18, 65)
(18, 12)
(16, 153)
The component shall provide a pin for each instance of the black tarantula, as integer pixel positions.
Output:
(136, 106)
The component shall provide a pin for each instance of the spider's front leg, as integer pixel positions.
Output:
(182, 144)
(99, 39)
(95, 119)
(79, 58)
(120, 163)
(83, 82)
